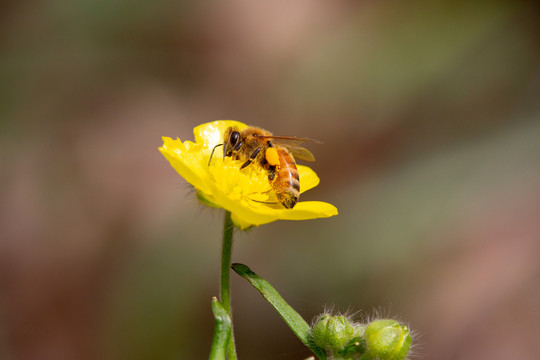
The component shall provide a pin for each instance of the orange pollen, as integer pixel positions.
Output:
(272, 156)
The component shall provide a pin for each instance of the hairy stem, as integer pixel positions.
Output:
(222, 331)
(225, 294)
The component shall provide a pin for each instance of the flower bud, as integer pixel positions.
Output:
(356, 345)
(387, 340)
(332, 333)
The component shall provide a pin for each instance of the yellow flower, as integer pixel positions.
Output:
(242, 192)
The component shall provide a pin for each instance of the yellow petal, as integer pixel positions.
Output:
(308, 178)
(188, 160)
(304, 210)
(210, 134)
(310, 210)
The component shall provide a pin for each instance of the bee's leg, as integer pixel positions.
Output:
(238, 146)
(265, 202)
(271, 155)
(271, 172)
(263, 192)
(251, 157)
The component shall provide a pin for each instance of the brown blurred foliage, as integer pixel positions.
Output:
(430, 116)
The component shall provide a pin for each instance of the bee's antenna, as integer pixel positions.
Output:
(212, 154)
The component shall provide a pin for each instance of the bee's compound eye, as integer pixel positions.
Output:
(235, 136)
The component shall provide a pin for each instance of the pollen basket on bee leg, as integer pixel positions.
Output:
(272, 156)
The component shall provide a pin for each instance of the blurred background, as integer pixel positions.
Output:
(430, 117)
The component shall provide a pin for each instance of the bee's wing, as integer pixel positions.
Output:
(293, 143)
(300, 153)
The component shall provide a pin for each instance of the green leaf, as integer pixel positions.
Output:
(297, 324)
(222, 331)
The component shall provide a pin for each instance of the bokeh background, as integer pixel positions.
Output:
(430, 116)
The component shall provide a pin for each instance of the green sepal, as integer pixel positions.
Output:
(354, 349)
(222, 331)
(297, 324)
(204, 200)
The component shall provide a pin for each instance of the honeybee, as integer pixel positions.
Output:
(275, 154)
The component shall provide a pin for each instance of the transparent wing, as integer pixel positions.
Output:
(300, 153)
(293, 143)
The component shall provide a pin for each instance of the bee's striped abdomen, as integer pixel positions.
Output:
(287, 182)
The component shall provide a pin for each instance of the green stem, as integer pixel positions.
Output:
(225, 295)
(222, 331)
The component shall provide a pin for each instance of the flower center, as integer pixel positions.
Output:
(249, 185)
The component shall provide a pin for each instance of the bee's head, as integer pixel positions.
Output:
(232, 142)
